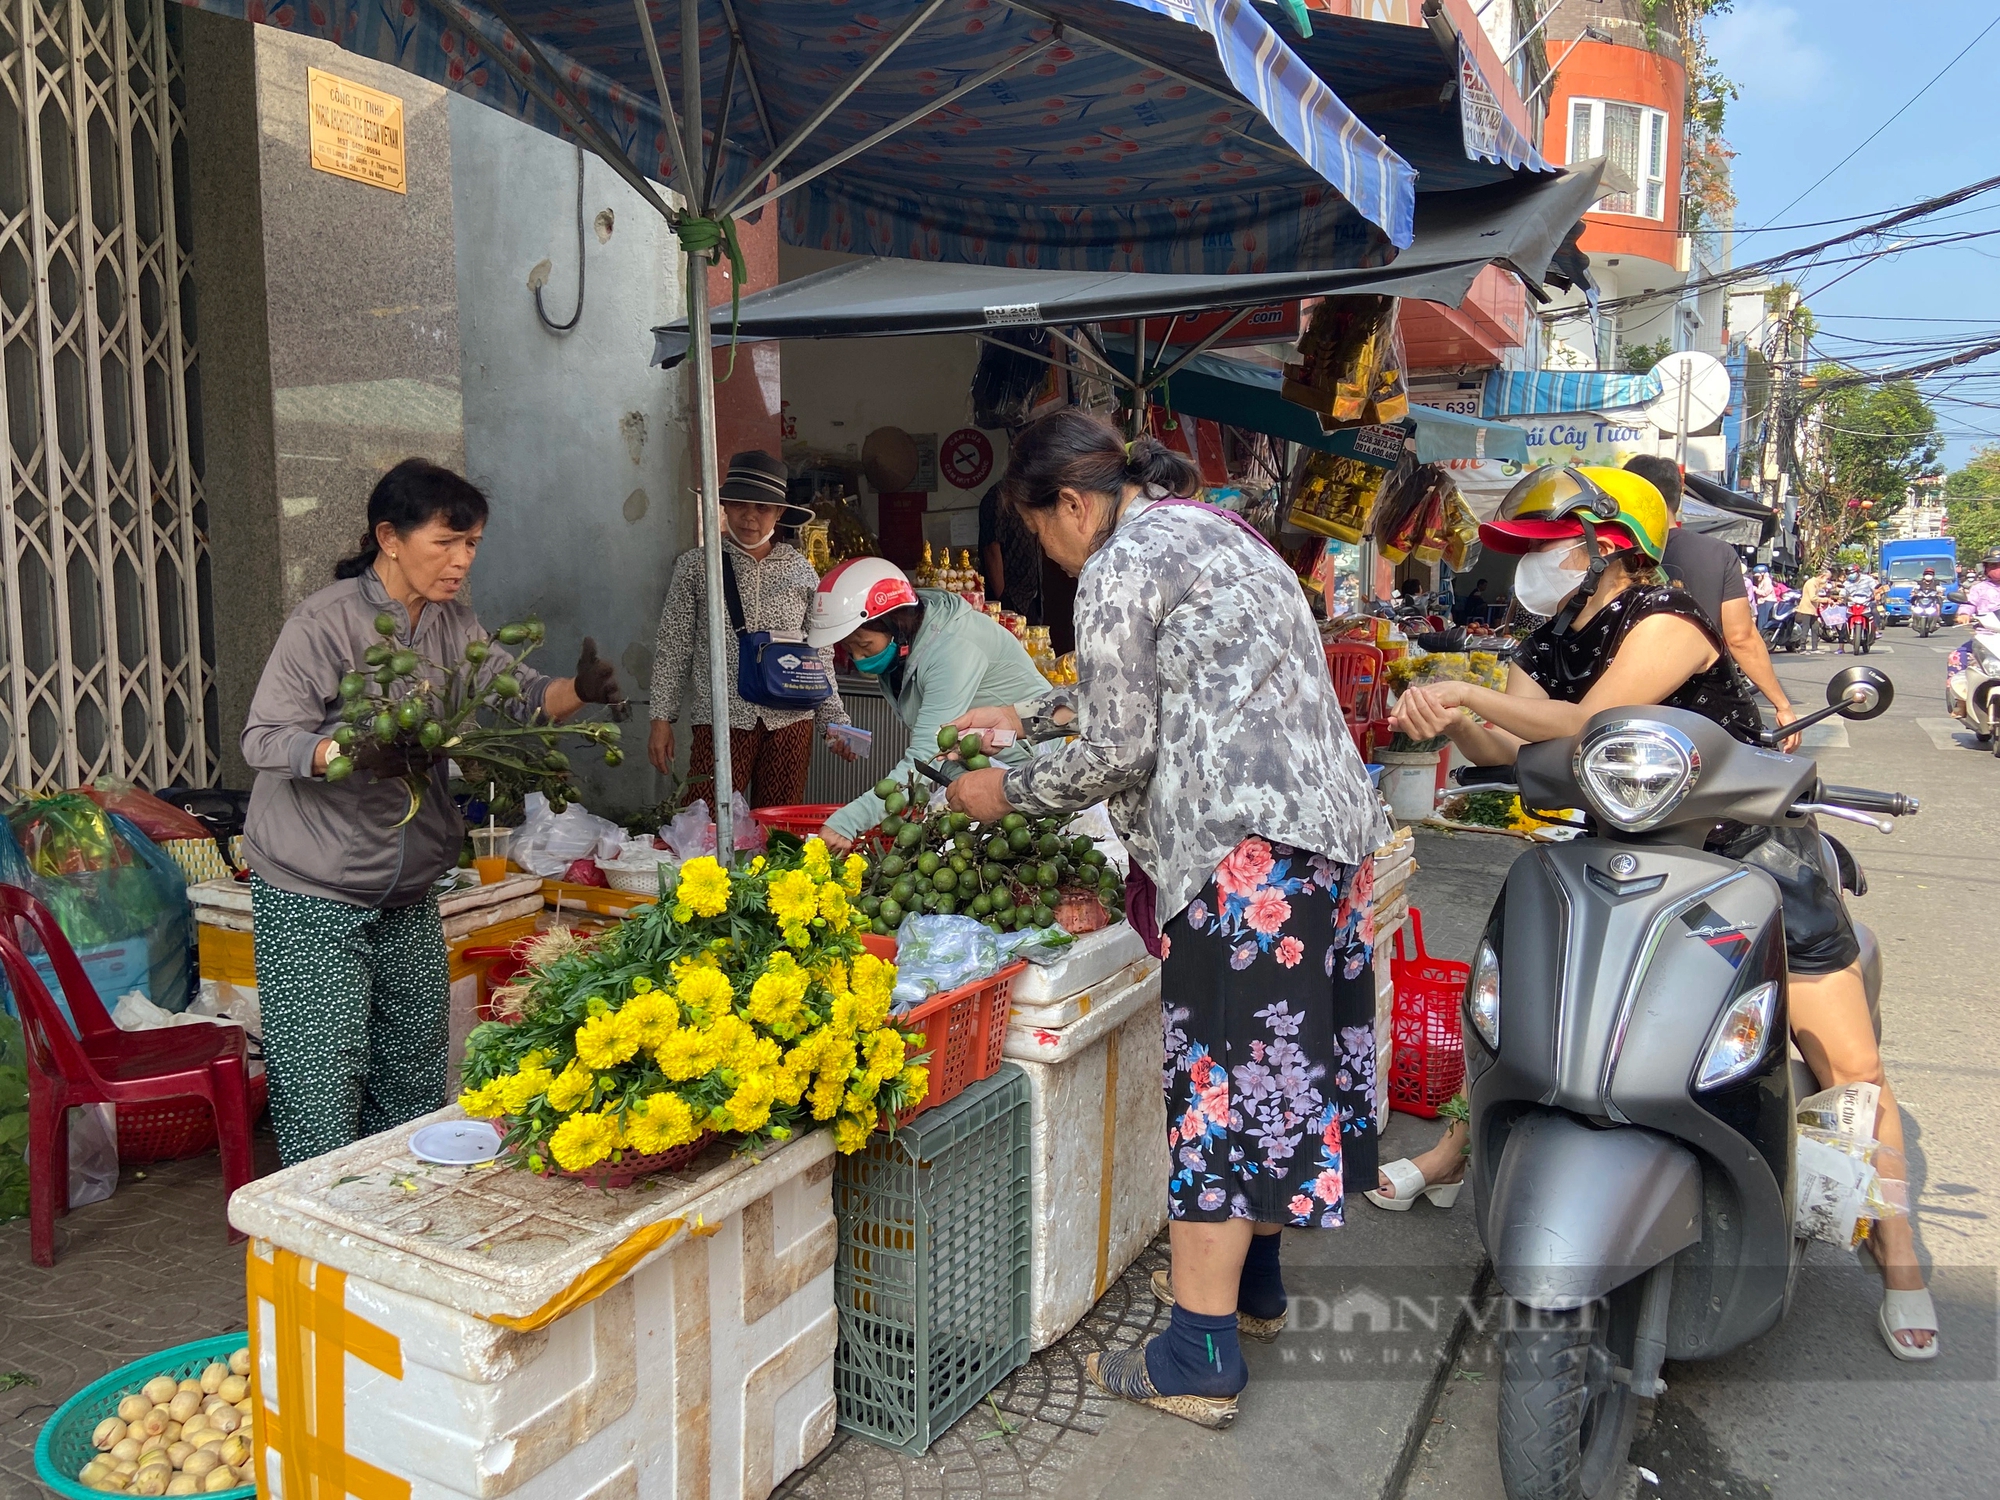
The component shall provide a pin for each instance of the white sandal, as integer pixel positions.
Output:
(1406, 1178)
(1908, 1312)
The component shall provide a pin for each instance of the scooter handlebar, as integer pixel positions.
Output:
(1862, 799)
(1486, 776)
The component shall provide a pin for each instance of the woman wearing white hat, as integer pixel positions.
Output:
(936, 656)
(770, 733)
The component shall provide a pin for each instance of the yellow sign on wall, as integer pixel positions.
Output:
(357, 132)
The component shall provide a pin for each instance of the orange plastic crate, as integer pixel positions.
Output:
(962, 1030)
(1427, 1046)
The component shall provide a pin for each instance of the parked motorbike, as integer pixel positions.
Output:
(1633, 1113)
(1787, 629)
(1971, 691)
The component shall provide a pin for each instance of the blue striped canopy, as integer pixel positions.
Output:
(1142, 135)
(1529, 393)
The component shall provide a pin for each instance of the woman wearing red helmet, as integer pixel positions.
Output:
(935, 655)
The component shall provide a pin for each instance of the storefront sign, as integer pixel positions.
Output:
(356, 132)
(1461, 402)
(1480, 116)
(966, 458)
(927, 462)
(1384, 445)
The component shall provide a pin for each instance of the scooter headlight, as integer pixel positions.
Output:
(1740, 1038)
(1636, 772)
(1482, 995)
(1986, 657)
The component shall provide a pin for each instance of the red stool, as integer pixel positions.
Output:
(99, 1063)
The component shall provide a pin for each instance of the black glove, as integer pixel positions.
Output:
(395, 761)
(597, 679)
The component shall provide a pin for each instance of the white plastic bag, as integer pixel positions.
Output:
(1842, 1186)
(547, 843)
(93, 1153)
(692, 831)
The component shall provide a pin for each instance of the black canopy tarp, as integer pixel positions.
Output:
(1521, 224)
(1736, 503)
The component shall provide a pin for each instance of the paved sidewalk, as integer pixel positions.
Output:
(1345, 1396)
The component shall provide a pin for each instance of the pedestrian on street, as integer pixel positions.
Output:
(1710, 572)
(1631, 641)
(1810, 596)
(351, 970)
(1206, 719)
(770, 745)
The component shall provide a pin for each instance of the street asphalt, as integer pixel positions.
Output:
(1818, 1406)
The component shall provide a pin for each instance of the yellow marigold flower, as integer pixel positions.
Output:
(788, 1085)
(916, 1083)
(655, 1014)
(607, 1040)
(523, 1088)
(707, 990)
(826, 1095)
(777, 998)
(757, 865)
(484, 1102)
(687, 1054)
(873, 977)
(571, 1088)
(583, 1141)
(861, 1094)
(853, 870)
(703, 888)
(661, 1123)
(833, 908)
(818, 861)
(851, 1134)
(750, 1106)
(832, 974)
(885, 1053)
(794, 898)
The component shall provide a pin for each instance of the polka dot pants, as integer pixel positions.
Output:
(356, 1008)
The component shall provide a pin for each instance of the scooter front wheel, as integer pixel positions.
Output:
(1566, 1421)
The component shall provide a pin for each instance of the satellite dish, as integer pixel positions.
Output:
(1694, 392)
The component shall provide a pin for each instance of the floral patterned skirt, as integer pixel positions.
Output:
(1269, 998)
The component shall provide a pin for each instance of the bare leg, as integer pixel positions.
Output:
(1829, 1014)
(1208, 1263)
(1444, 1162)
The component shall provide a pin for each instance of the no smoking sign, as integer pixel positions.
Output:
(966, 458)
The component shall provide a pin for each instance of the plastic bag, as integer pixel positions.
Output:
(935, 954)
(547, 842)
(159, 821)
(1350, 366)
(119, 898)
(13, 1119)
(1842, 1186)
(1334, 496)
(692, 831)
(93, 1153)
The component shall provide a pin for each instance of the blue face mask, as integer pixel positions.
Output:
(880, 662)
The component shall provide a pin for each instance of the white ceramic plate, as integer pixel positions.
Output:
(456, 1143)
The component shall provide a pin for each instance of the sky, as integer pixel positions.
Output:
(1816, 77)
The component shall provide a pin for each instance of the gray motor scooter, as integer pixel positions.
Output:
(1626, 1053)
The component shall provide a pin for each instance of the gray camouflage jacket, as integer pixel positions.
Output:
(1204, 709)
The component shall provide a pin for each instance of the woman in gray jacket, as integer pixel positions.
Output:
(351, 965)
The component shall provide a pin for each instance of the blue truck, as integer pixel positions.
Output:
(1903, 563)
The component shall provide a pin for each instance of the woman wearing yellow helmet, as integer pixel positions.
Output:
(1590, 541)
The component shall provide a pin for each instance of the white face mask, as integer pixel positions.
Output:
(1542, 582)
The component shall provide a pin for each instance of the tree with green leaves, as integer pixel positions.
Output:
(1868, 443)
(1972, 503)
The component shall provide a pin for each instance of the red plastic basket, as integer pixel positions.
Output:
(177, 1128)
(962, 1030)
(804, 819)
(1427, 1048)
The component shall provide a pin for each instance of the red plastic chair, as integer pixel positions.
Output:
(1357, 678)
(99, 1063)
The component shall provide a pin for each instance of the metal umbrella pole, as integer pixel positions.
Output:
(700, 359)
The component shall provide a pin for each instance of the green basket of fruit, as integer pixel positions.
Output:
(74, 1456)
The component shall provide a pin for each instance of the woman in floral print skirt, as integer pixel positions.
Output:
(1203, 716)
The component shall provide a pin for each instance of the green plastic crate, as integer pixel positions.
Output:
(932, 1277)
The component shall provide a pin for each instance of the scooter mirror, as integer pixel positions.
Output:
(1860, 693)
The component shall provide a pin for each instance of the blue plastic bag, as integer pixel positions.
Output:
(119, 898)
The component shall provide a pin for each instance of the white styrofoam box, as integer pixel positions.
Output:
(227, 904)
(512, 1335)
(1091, 959)
(1059, 1013)
(1046, 1044)
(1098, 1144)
